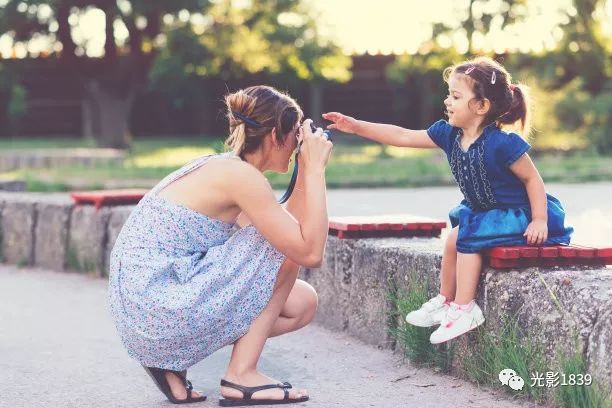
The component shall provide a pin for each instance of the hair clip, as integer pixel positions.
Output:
(470, 69)
(493, 78)
(247, 120)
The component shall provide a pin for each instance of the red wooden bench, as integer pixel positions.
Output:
(397, 225)
(557, 255)
(101, 198)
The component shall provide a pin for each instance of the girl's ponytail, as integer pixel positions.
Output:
(519, 109)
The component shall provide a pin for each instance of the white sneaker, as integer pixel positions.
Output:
(459, 319)
(431, 312)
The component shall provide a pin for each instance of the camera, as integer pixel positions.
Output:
(326, 133)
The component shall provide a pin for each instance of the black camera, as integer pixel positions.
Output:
(326, 133)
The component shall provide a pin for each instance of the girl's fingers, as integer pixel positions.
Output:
(332, 126)
(333, 116)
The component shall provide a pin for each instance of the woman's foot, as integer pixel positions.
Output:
(178, 388)
(253, 379)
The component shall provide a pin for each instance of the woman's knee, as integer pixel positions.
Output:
(310, 301)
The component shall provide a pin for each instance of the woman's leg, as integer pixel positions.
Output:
(469, 267)
(299, 309)
(448, 273)
(242, 368)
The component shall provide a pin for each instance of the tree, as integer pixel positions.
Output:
(241, 39)
(276, 38)
(480, 16)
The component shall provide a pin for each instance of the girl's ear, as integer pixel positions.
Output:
(483, 106)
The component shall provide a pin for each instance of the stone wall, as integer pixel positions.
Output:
(550, 304)
(47, 230)
(354, 282)
(47, 158)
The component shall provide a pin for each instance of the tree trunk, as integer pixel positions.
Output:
(316, 101)
(106, 113)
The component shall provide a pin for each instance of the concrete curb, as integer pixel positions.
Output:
(354, 281)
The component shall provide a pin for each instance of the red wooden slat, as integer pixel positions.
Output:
(604, 252)
(504, 253)
(412, 226)
(549, 252)
(567, 252)
(585, 252)
(369, 227)
(383, 226)
(528, 252)
(108, 197)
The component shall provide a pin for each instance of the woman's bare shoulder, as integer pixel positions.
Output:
(231, 172)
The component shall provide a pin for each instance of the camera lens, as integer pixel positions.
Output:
(326, 133)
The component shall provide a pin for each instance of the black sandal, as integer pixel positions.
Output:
(159, 377)
(247, 394)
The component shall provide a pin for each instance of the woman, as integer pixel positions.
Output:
(184, 282)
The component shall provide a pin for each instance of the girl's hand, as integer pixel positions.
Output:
(536, 232)
(341, 122)
(315, 149)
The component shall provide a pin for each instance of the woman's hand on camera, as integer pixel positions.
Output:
(316, 149)
(342, 122)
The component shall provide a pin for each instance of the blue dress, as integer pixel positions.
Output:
(495, 210)
(182, 284)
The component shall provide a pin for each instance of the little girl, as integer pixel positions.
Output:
(504, 198)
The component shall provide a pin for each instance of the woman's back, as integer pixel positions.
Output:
(159, 224)
(177, 273)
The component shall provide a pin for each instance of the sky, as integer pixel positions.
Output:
(359, 26)
(385, 26)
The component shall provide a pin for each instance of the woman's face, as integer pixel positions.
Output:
(283, 153)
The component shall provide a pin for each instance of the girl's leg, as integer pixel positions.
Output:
(448, 273)
(469, 267)
(242, 368)
(466, 316)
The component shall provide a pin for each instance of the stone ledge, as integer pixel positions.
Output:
(354, 281)
(358, 275)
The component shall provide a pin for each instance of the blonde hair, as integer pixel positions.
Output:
(253, 113)
(510, 103)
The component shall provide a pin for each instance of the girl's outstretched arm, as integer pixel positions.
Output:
(380, 132)
(525, 170)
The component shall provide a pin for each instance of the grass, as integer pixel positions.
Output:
(507, 348)
(592, 395)
(415, 340)
(353, 164)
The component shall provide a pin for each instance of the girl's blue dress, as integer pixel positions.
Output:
(496, 209)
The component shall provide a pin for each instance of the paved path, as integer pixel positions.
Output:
(59, 348)
(587, 205)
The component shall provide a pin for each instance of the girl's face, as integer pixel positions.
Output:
(460, 94)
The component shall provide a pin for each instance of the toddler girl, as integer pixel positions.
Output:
(504, 198)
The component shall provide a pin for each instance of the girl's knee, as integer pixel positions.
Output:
(451, 240)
